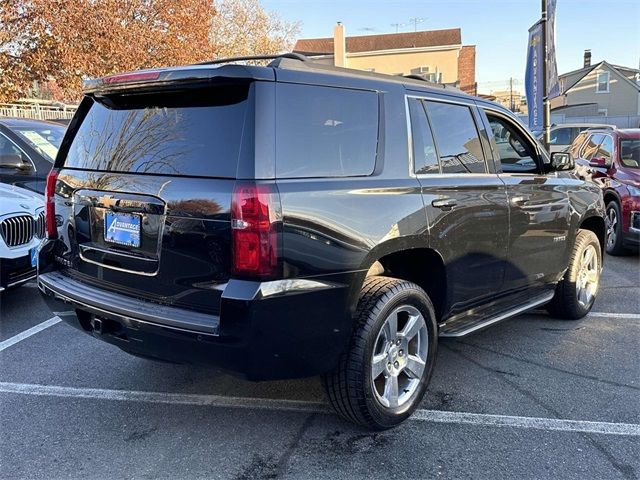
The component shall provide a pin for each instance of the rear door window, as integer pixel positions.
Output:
(456, 137)
(190, 133)
(325, 131)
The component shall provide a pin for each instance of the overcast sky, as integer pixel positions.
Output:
(498, 28)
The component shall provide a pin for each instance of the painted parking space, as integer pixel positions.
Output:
(530, 394)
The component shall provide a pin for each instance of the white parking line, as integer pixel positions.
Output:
(479, 419)
(27, 333)
(630, 316)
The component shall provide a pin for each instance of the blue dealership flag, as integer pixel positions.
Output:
(533, 77)
(553, 87)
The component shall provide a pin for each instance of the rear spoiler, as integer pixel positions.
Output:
(165, 77)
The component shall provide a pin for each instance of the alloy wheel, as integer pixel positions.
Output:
(399, 357)
(588, 276)
(612, 225)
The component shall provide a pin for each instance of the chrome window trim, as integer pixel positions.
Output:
(435, 98)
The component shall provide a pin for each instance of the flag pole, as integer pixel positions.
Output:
(546, 106)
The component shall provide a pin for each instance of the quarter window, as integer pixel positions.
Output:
(457, 138)
(325, 131)
(425, 158)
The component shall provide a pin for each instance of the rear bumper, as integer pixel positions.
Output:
(266, 330)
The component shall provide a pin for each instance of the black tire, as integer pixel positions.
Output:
(350, 386)
(613, 242)
(565, 304)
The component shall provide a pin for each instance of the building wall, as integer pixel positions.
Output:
(467, 69)
(622, 98)
(446, 62)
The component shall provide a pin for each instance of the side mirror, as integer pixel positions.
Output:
(561, 161)
(598, 162)
(13, 161)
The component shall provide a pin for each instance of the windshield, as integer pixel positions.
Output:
(45, 139)
(630, 153)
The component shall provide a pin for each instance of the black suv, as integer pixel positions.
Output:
(295, 219)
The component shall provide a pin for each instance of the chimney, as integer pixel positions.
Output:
(587, 58)
(339, 46)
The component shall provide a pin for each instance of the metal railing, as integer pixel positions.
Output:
(36, 111)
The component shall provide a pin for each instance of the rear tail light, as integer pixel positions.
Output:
(50, 204)
(255, 213)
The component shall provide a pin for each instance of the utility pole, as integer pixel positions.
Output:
(546, 107)
(511, 105)
(416, 21)
(397, 25)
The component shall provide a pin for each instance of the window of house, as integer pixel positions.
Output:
(602, 82)
(425, 158)
(517, 155)
(457, 138)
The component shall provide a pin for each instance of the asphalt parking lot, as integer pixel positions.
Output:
(529, 398)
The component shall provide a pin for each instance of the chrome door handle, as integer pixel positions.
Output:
(445, 203)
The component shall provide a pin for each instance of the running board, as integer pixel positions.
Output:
(461, 330)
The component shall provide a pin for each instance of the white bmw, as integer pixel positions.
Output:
(21, 229)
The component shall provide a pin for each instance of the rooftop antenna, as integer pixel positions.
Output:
(397, 25)
(416, 21)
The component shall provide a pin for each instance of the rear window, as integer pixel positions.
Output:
(325, 131)
(192, 133)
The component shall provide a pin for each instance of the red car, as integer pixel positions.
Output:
(611, 158)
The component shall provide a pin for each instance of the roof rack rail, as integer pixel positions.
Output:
(414, 76)
(417, 77)
(294, 56)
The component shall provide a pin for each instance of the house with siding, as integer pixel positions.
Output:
(600, 89)
(436, 55)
